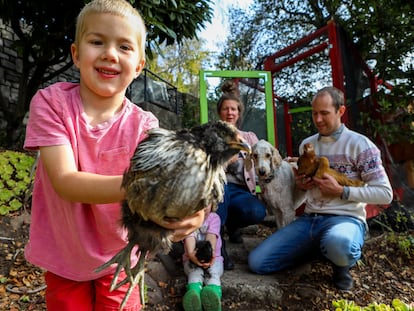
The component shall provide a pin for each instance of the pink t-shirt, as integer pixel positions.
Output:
(73, 239)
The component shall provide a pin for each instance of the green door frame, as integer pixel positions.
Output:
(265, 75)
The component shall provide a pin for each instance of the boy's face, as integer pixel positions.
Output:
(108, 55)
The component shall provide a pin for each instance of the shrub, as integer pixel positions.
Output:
(396, 305)
(15, 180)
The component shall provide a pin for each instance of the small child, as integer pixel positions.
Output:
(204, 284)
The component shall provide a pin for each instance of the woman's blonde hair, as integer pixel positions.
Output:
(116, 7)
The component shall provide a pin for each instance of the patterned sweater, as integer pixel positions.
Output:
(359, 158)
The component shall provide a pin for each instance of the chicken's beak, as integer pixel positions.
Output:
(242, 146)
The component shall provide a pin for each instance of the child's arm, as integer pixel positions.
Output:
(191, 251)
(189, 248)
(75, 186)
(213, 240)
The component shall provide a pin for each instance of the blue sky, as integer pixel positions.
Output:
(217, 31)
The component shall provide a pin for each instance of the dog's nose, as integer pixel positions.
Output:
(262, 172)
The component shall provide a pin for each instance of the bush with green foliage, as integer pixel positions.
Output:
(393, 118)
(15, 180)
(402, 243)
(396, 305)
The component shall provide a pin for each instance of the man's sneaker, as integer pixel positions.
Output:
(342, 278)
(235, 237)
(227, 262)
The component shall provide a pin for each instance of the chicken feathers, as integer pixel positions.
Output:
(172, 174)
(311, 165)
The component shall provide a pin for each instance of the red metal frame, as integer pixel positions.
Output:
(332, 42)
(329, 31)
(288, 134)
(270, 61)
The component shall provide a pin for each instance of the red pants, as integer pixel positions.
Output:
(67, 295)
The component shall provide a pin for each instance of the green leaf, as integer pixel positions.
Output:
(15, 205)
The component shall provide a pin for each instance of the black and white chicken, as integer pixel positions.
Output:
(172, 174)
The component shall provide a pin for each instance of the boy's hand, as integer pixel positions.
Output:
(185, 226)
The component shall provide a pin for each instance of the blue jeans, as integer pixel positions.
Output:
(240, 208)
(337, 238)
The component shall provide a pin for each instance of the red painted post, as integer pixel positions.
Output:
(336, 63)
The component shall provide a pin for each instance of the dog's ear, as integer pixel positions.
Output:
(276, 158)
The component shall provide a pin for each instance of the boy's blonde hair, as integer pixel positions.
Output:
(116, 7)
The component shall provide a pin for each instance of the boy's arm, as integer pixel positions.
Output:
(75, 186)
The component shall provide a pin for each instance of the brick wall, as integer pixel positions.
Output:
(10, 65)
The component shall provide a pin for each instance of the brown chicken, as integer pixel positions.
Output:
(172, 174)
(312, 166)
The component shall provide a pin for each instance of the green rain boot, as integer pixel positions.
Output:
(211, 298)
(191, 299)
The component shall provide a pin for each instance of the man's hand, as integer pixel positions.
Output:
(328, 185)
(304, 183)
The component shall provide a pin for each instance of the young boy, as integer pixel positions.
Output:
(86, 133)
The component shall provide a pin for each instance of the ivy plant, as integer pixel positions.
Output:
(396, 305)
(15, 180)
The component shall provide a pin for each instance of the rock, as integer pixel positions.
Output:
(239, 286)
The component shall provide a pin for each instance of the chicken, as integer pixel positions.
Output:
(204, 251)
(172, 174)
(310, 165)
